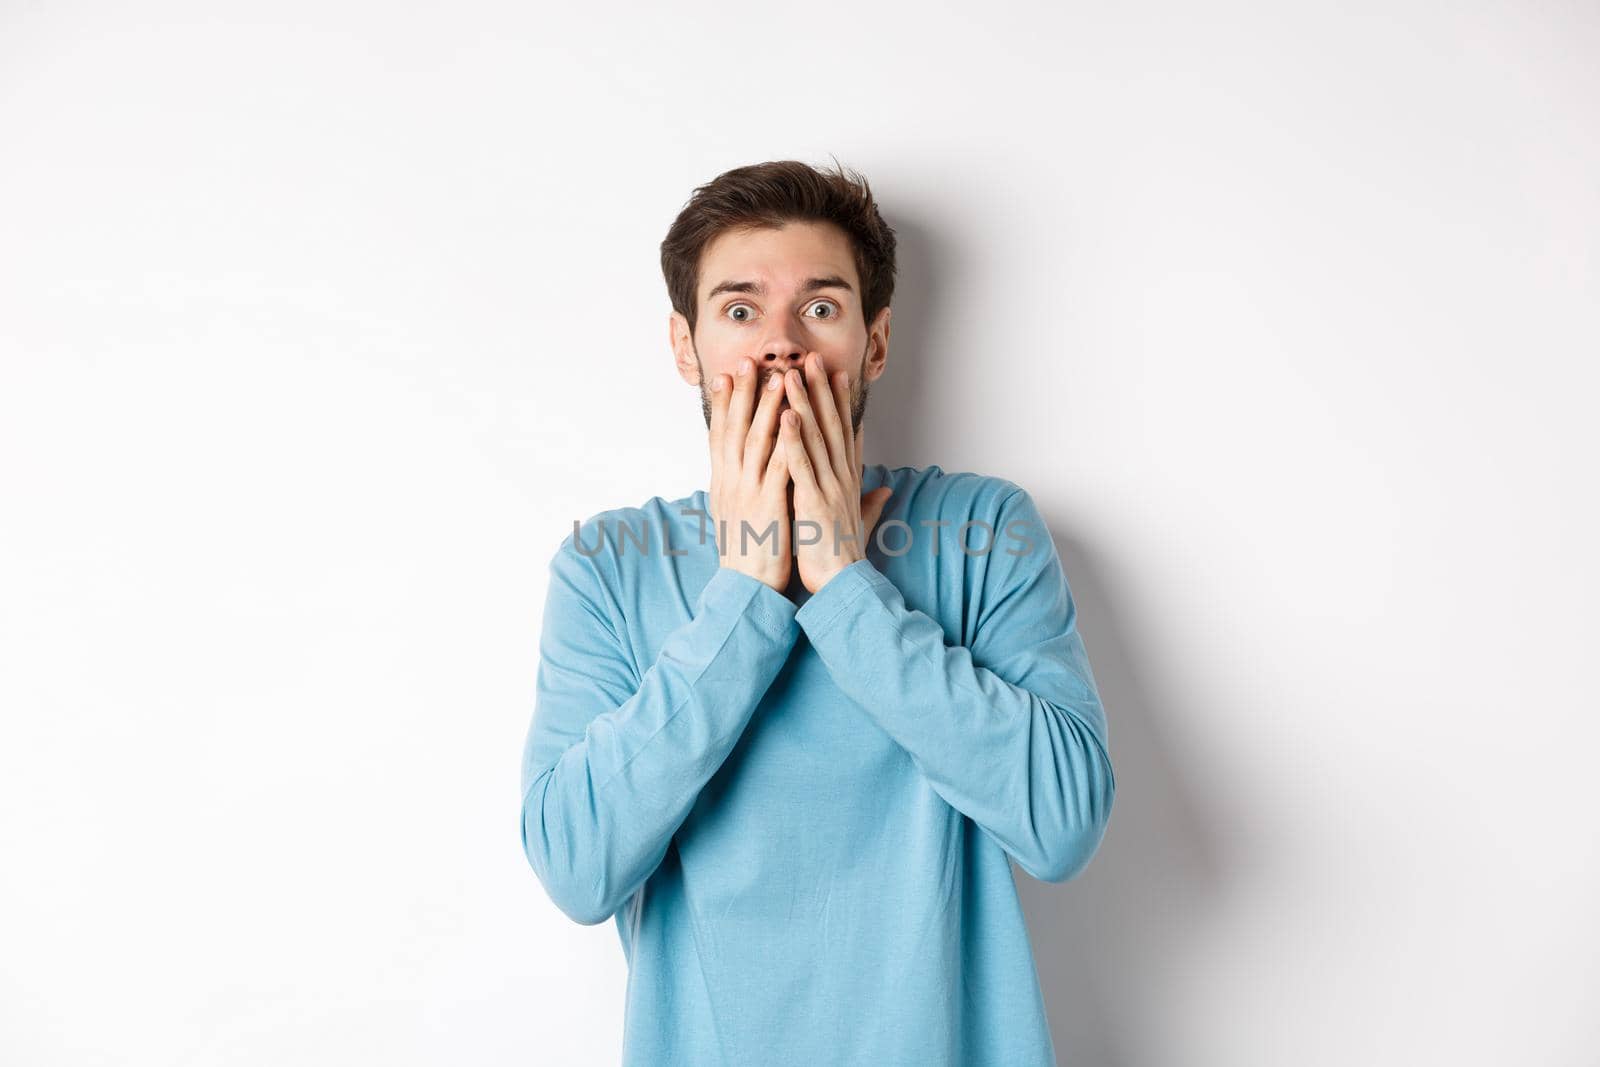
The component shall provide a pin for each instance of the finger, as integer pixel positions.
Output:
(801, 469)
(841, 401)
(777, 475)
(809, 433)
(739, 405)
(719, 418)
(824, 404)
(720, 387)
(763, 429)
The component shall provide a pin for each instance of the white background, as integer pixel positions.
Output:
(321, 322)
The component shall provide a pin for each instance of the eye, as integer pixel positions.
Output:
(731, 307)
(829, 304)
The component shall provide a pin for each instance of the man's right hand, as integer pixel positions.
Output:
(750, 477)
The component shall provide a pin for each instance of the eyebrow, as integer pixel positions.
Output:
(832, 281)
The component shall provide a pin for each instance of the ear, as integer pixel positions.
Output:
(877, 346)
(678, 337)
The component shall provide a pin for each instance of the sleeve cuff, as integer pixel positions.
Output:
(734, 591)
(840, 591)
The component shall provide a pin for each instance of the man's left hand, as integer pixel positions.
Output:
(824, 458)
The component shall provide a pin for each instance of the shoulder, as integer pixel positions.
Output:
(997, 511)
(596, 548)
(992, 519)
(933, 492)
(611, 527)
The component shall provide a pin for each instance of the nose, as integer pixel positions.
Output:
(779, 358)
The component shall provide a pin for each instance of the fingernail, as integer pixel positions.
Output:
(773, 383)
(744, 366)
(716, 386)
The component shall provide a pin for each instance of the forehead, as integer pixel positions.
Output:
(782, 258)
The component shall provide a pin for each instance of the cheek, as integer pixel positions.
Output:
(719, 360)
(842, 353)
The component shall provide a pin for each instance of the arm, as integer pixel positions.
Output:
(1010, 732)
(614, 761)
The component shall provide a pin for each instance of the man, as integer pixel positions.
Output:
(790, 731)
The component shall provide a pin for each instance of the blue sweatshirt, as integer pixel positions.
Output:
(800, 808)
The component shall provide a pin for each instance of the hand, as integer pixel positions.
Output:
(824, 460)
(749, 478)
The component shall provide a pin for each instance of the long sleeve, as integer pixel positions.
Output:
(1009, 731)
(614, 760)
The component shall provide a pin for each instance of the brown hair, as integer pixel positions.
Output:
(770, 195)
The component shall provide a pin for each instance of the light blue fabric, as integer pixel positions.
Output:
(800, 811)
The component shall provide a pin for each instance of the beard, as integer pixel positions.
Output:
(858, 391)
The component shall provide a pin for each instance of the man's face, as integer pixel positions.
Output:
(774, 295)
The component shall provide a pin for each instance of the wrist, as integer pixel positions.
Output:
(841, 562)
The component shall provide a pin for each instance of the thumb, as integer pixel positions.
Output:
(872, 505)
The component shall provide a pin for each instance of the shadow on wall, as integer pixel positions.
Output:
(1106, 943)
(895, 426)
